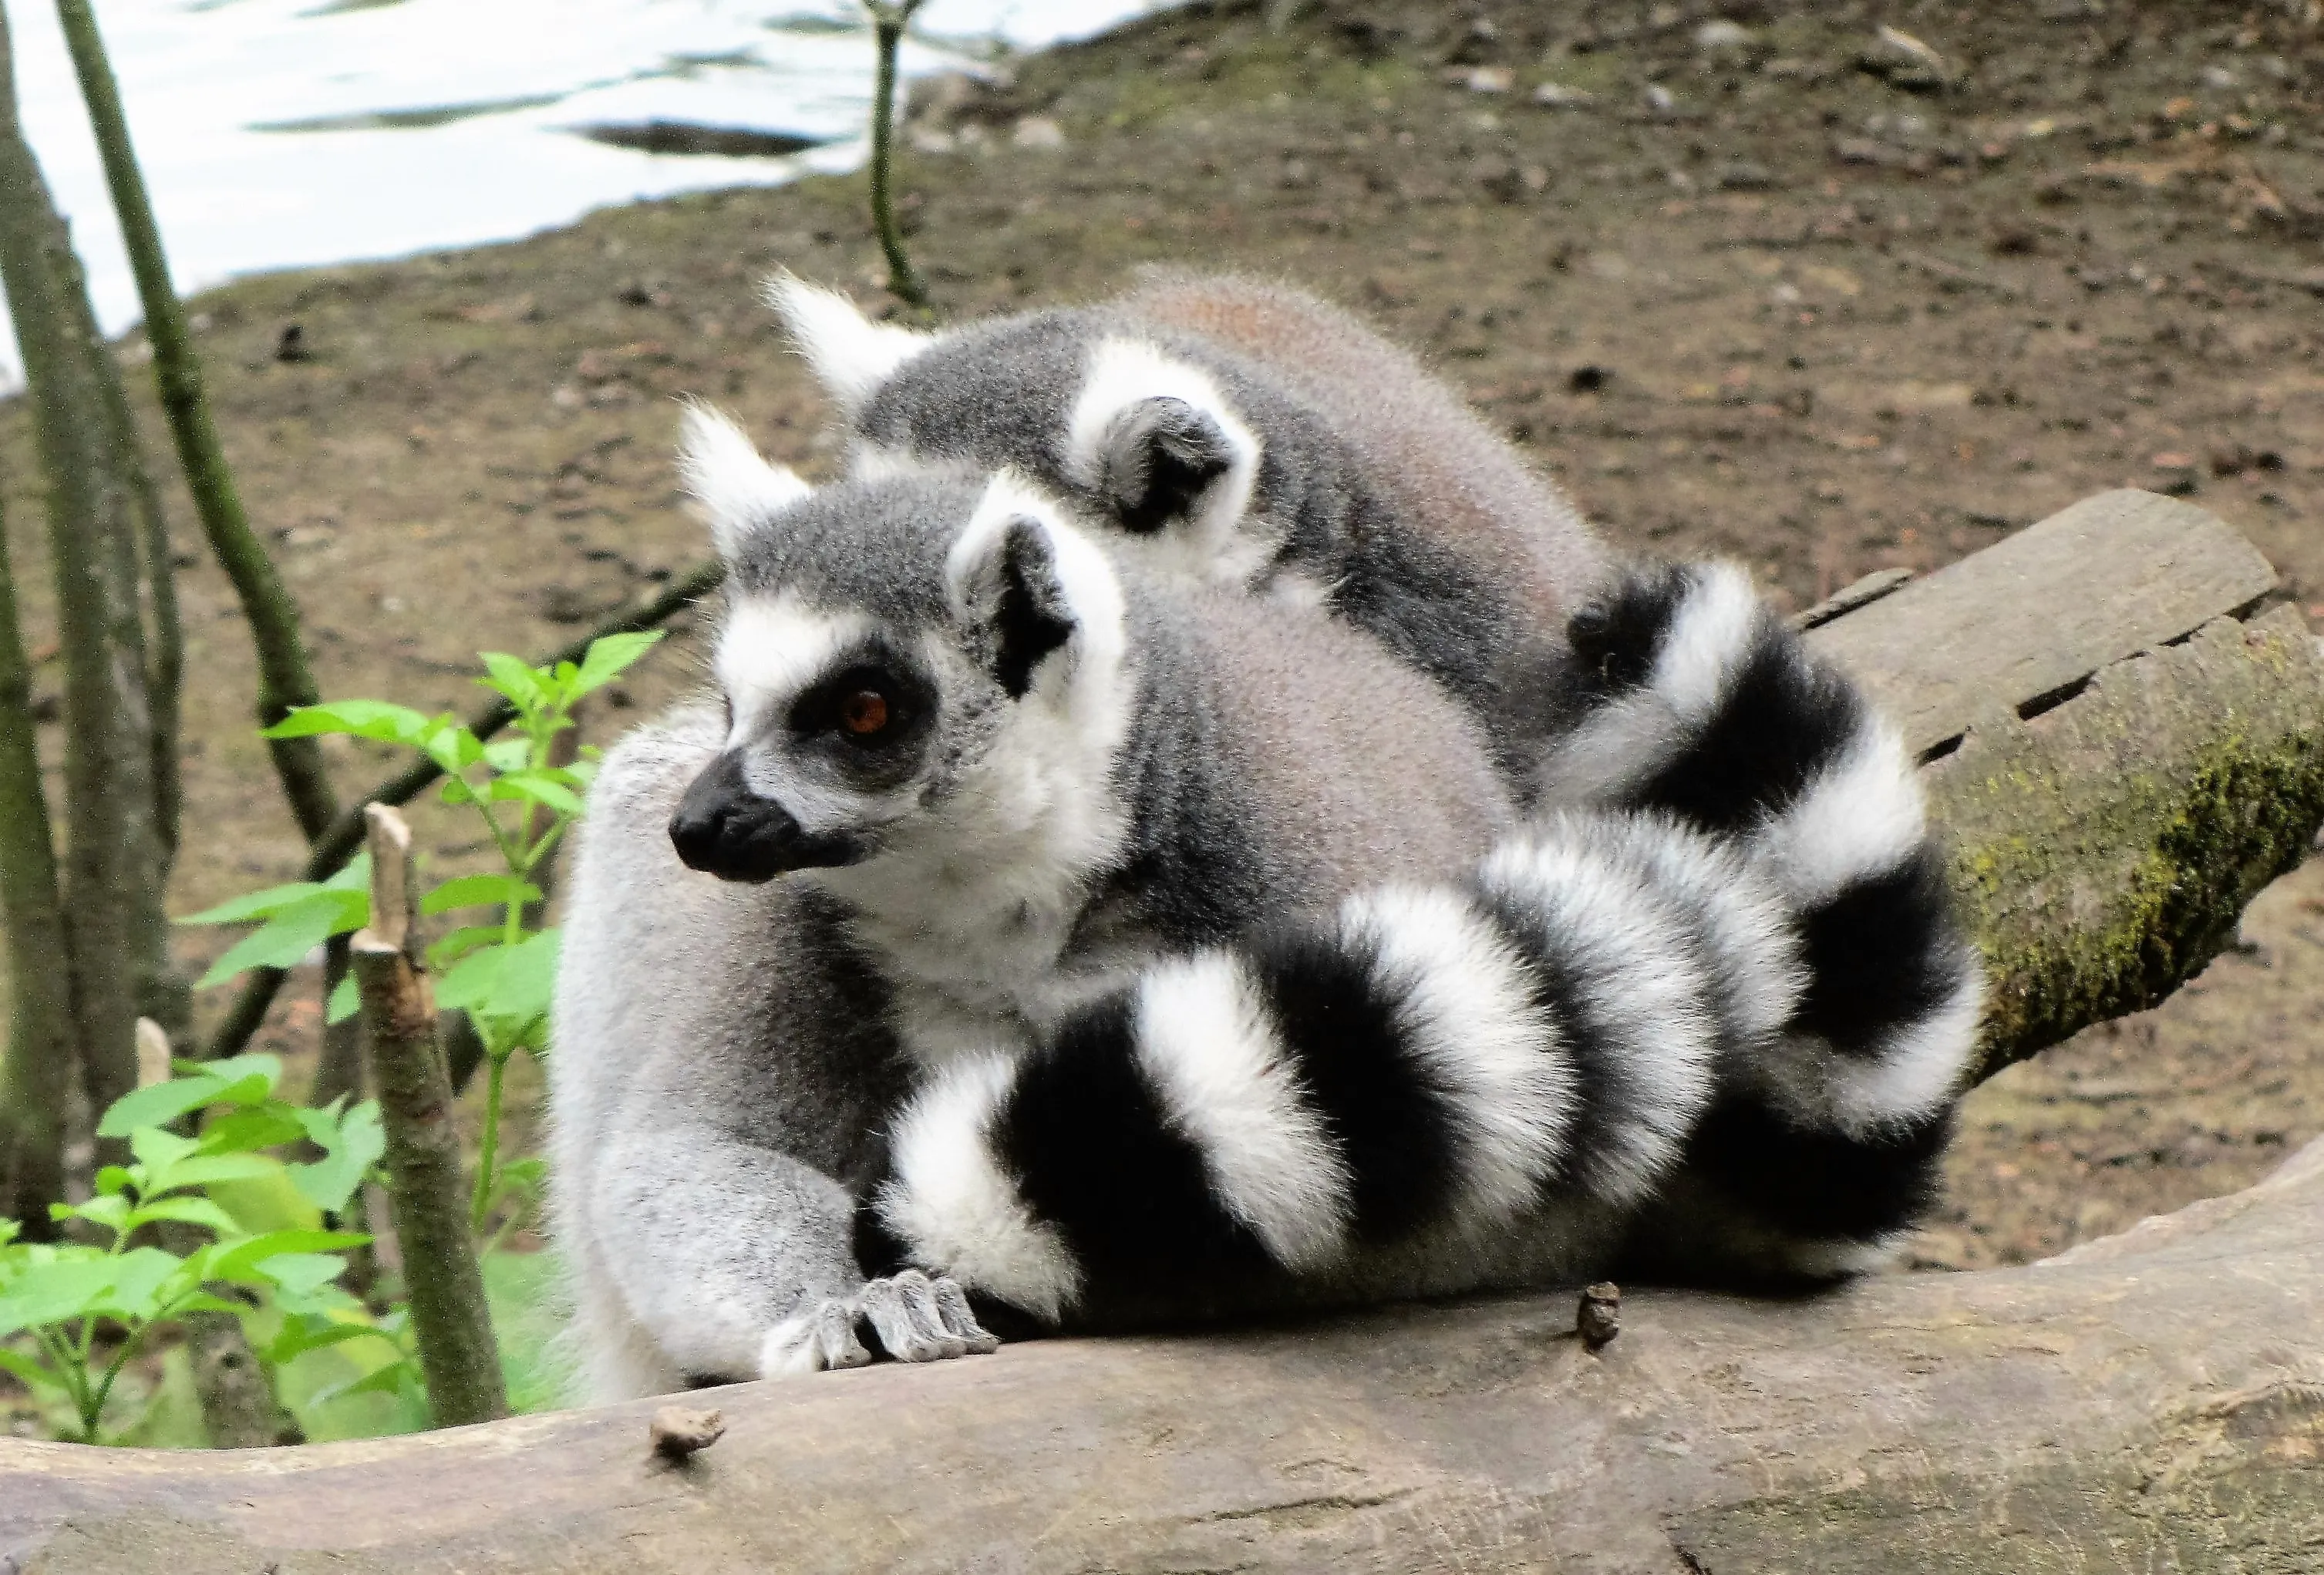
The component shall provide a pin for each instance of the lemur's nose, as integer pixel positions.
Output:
(725, 829)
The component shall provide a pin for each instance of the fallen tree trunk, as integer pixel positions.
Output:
(2152, 1402)
(2125, 738)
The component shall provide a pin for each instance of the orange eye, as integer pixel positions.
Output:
(864, 713)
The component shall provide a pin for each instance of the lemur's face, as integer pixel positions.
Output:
(883, 644)
(1144, 442)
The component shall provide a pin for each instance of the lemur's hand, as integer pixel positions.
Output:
(913, 1318)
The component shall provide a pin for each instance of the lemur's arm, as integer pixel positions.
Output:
(1694, 699)
(1425, 1070)
(720, 1074)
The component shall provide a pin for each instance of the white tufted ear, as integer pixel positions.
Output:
(851, 354)
(1038, 586)
(735, 490)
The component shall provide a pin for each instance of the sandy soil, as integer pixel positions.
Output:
(1779, 295)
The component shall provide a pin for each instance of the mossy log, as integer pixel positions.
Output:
(2153, 1401)
(2124, 730)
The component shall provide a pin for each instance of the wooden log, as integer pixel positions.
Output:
(2128, 743)
(2154, 1401)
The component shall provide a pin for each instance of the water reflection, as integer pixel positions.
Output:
(280, 134)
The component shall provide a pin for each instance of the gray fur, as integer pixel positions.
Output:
(1375, 490)
(726, 1053)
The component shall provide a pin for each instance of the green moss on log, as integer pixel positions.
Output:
(2105, 851)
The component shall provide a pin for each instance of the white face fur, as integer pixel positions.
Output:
(948, 752)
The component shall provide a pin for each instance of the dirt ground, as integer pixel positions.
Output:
(1771, 289)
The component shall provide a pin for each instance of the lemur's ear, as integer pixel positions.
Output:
(1154, 436)
(735, 489)
(851, 354)
(1032, 587)
(1157, 457)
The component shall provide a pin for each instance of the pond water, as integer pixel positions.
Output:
(284, 133)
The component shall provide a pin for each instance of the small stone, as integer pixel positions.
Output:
(1722, 37)
(2218, 79)
(292, 347)
(1586, 379)
(1598, 1318)
(1557, 96)
(1488, 79)
(1659, 99)
(1743, 175)
(679, 1431)
(1903, 61)
(1037, 131)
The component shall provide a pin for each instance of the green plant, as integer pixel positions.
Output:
(500, 972)
(76, 1297)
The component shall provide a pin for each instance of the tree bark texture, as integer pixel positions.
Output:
(284, 676)
(2153, 1401)
(113, 859)
(449, 1318)
(2128, 739)
(37, 1069)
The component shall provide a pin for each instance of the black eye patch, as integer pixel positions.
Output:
(873, 704)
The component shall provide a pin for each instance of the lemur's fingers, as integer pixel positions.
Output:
(817, 1338)
(960, 1318)
(903, 1313)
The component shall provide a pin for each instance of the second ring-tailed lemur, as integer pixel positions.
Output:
(1042, 796)
(1248, 434)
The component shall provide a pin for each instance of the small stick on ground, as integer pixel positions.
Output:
(449, 1314)
(680, 1431)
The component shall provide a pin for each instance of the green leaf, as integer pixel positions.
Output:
(207, 1169)
(157, 1149)
(452, 746)
(33, 1374)
(142, 1273)
(309, 1331)
(297, 1275)
(166, 1101)
(511, 985)
(52, 1292)
(257, 905)
(291, 933)
(351, 1145)
(375, 719)
(544, 787)
(608, 656)
(242, 1261)
(189, 1211)
(345, 1000)
(479, 891)
(508, 754)
(251, 1128)
(455, 945)
(109, 1181)
(513, 677)
(112, 1212)
(456, 791)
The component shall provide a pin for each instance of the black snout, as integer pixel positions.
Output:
(724, 829)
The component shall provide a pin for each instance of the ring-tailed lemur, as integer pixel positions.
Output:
(1249, 434)
(1014, 775)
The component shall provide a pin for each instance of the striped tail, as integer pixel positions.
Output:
(1424, 1067)
(1699, 703)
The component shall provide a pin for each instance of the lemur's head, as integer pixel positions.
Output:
(908, 663)
(1139, 438)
